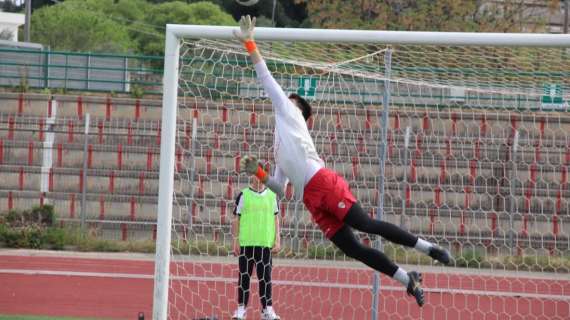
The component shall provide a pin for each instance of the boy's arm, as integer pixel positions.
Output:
(235, 225)
(277, 245)
(235, 228)
(235, 233)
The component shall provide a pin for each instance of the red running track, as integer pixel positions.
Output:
(121, 288)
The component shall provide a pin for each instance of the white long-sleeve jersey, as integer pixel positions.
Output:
(295, 154)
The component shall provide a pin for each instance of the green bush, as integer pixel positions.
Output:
(400, 254)
(8, 237)
(37, 229)
(55, 238)
(137, 91)
(470, 259)
(25, 237)
(205, 247)
(39, 215)
(32, 237)
(3, 228)
(13, 217)
(43, 215)
(323, 252)
(30, 229)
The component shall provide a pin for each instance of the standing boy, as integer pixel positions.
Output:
(256, 234)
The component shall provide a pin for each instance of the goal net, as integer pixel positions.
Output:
(465, 145)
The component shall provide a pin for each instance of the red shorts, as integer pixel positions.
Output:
(328, 198)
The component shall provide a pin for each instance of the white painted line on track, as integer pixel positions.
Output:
(283, 283)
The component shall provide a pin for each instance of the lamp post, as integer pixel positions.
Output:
(566, 5)
(275, 5)
(28, 19)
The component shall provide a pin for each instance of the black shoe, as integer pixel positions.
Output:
(440, 254)
(414, 287)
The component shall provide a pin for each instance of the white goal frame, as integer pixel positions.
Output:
(170, 100)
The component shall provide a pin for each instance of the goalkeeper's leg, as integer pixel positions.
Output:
(345, 240)
(359, 220)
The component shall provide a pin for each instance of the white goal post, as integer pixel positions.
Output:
(174, 34)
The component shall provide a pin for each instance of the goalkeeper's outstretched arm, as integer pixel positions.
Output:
(277, 182)
(245, 35)
(279, 99)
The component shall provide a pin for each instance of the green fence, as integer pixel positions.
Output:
(46, 69)
(137, 74)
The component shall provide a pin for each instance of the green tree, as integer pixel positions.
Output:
(123, 11)
(36, 4)
(287, 12)
(428, 15)
(66, 26)
(514, 15)
(177, 12)
(128, 13)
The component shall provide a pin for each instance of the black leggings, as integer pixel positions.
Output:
(261, 257)
(346, 241)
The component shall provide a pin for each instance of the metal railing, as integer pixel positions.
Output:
(28, 68)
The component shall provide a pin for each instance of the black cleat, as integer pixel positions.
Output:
(414, 287)
(440, 254)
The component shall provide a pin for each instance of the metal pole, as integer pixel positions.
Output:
(28, 19)
(273, 13)
(192, 169)
(566, 6)
(383, 147)
(84, 174)
(405, 176)
(375, 36)
(66, 69)
(512, 192)
(126, 80)
(166, 177)
(88, 74)
(46, 67)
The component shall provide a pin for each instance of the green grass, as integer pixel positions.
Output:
(15, 317)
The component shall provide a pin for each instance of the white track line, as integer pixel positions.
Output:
(282, 282)
(77, 274)
(278, 263)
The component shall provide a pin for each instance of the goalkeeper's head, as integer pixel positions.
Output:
(302, 104)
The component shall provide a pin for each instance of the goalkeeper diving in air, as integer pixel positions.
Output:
(324, 192)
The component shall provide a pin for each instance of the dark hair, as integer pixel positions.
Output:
(303, 105)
